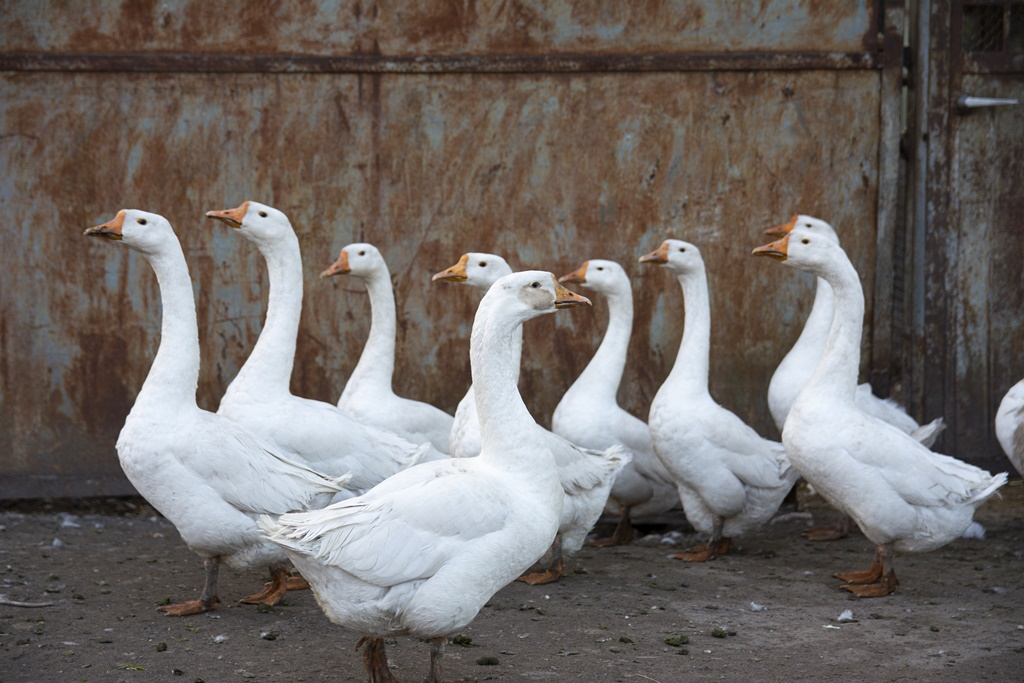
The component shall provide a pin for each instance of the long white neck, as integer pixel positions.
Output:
(376, 365)
(600, 379)
(811, 341)
(839, 366)
(269, 366)
(174, 376)
(690, 372)
(798, 365)
(494, 350)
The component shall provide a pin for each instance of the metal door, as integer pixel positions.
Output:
(967, 242)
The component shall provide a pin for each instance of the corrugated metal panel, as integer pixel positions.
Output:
(546, 168)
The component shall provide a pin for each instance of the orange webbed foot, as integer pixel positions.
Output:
(874, 590)
(296, 583)
(184, 609)
(872, 575)
(704, 553)
(272, 593)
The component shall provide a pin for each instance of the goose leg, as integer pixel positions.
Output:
(830, 532)
(716, 545)
(879, 580)
(623, 534)
(436, 651)
(273, 591)
(555, 569)
(207, 600)
(296, 583)
(375, 659)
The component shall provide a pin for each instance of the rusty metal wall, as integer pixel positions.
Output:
(686, 120)
(967, 328)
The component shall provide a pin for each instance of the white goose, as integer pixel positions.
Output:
(730, 479)
(260, 398)
(480, 271)
(902, 496)
(210, 477)
(589, 414)
(368, 394)
(586, 475)
(1010, 425)
(422, 552)
(794, 371)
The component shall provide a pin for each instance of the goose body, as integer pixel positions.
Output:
(730, 479)
(586, 475)
(589, 414)
(423, 551)
(209, 476)
(796, 369)
(1010, 425)
(903, 496)
(368, 394)
(260, 398)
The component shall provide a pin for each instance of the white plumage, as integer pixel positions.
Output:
(730, 479)
(369, 394)
(589, 414)
(901, 495)
(796, 367)
(422, 552)
(260, 397)
(1010, 425)
(209, 476)
(586, 475)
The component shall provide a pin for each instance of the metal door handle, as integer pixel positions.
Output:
(965, 103)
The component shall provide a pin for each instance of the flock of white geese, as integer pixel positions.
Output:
(405, 520)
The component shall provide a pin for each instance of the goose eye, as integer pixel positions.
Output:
(805, 241)
(808, 225)
(600, 267)
(682, 248)
(263, 214)
(482, 264)
(362, 253)
(535, 285)
(141, 221)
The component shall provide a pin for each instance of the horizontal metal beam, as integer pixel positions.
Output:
(180, 62)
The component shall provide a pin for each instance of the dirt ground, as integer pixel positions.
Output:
(769, 611)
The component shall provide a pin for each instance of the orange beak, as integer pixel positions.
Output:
(782, 230)
(110, 230)
(658, 256)
(778, 250)
(339, 267)
(456, 273)
(578, 276)
(565, 298)
(232, 217)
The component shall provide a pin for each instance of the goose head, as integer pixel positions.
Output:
(682, 258)
(360, 260)
(476, 269)
(606, 277)
(148, 233)
(258, 223)
(804, 222)
(805, 249)
(530, 294)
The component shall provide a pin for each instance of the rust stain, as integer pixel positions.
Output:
(439, 27)
(546, 168)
